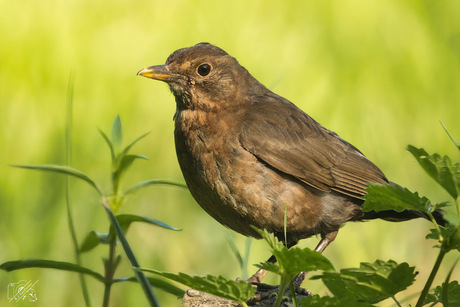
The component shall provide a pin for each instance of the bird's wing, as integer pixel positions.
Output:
(284, 137)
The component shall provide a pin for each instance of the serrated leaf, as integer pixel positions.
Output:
(450, 235)
(439, 168)
(117, 135)
(269, 266)
(239, 291)
(371, 282)
(453, 295)
(272, 241)
(50, 264)
(66, 170)
(157, 283)
(294, 260)
(388, 197)
(93, 239)
(150, 182)
(327, 301)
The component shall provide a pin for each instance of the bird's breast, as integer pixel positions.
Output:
(233, 186)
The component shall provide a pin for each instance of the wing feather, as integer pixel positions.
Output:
(293, 143)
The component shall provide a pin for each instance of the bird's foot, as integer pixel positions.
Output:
(266, 291)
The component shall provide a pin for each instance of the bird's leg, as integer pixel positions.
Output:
(325, 241)
(259, 275)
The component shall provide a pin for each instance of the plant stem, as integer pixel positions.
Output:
(293, 295)
(142, 279)
(429, 282)
(109, 273)
(284, 282)
(68, 145)
(396, 301)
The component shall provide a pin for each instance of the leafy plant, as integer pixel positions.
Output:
(447, 175)
(370, 283)
(239, 291)
(119, 224)
(290, 262)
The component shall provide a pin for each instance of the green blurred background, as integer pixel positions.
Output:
(382, 74)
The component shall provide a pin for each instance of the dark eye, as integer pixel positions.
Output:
(204, 69)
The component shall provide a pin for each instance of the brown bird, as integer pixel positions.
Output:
(247, 153)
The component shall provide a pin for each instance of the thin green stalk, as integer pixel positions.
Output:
(68, 142)
(246, 257)
(396, 301)
(279, 296)
(429, 282)
(457, 205)
(109, 273)
(293, 295)
(143, 281)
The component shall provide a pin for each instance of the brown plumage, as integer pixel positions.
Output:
(247, 153)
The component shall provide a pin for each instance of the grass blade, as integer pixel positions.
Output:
(150, 182)
(66, 170)
(50, 264)
(157, 283)
(70, 223)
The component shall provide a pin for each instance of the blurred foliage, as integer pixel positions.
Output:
(380, 73)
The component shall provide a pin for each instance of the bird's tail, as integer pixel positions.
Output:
(405, 215)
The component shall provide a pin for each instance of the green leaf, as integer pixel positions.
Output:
(439, 168)
(296, 260)
(273, 242)
(239, 291)
(388, 197)
(157, 283)
(452, 219)
(292, 261)
(66, 170)
(371, 282)
(142, 279)
(128, 148)
(50, 264)
(327, 301)
(453, 294)
(150, 182)
(123, 164)
(450, 235)
(127, 160)
(269, 266)
(117, 135)
(93, 239)
(125, 221)
(109, 143)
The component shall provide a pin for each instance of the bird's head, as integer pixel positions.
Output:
(203, 77)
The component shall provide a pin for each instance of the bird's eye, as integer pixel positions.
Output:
(204, 69)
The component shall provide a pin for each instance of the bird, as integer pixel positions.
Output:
(248, 155)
